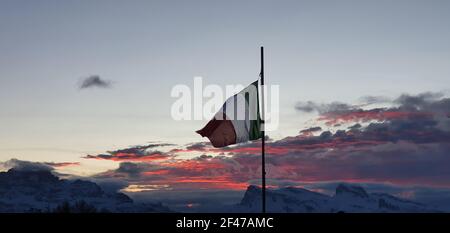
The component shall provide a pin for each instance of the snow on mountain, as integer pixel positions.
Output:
(285, 200)
(347, 198)
(41, 191)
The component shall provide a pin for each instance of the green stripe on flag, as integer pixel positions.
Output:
(255, 125)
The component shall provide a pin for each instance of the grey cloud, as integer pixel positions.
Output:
(134, 153)
(130, 168)
(139, 150)
(25, 165)
(418, 101)
(94, 81)
(198, 146)
(355, 126)
(430, 101)
(311, 130)
(311, 106)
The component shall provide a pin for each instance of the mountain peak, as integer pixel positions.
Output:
(253, 188)
(345, 189)
(348, 198)
(25, 190)
(253, 193)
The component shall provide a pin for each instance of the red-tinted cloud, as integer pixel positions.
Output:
(135, 153)
(62, 164)
(333, 118)
(407, 144)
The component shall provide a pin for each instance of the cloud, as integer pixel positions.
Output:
(310, 131)
(311, 106)
(199, 146)
(94, 81)
(135, 153)
(355, 126)
(364, 156)
(202, 172)
(33, 166)
(25, 165)
(403, 144)
(419, 101)
(421, 106)
(326, 160)
(130, 168)
(378, 114)
(62, 164)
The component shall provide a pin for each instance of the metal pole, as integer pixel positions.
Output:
(263, 162)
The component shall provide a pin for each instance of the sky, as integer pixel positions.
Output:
(320, 51)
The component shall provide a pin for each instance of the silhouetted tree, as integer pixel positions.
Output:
(77, 207)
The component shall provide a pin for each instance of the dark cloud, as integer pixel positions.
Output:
(309, 131)
(401, 163)
(62, 164)
(198, 146)
(355, 126)
(134, 153)
(94, 81)
(405, 106)
(138, 150)
(130, 168)
(421, 106)
(23, 165)
(418, 101)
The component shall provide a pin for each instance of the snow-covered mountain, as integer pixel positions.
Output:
(348, 198)
(41, 191)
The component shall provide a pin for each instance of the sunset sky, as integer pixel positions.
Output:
(364, 89)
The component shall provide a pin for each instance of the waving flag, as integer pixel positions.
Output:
(237, 121)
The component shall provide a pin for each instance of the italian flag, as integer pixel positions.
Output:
(237, 121)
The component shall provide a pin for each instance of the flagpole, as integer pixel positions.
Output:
(263, 149)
